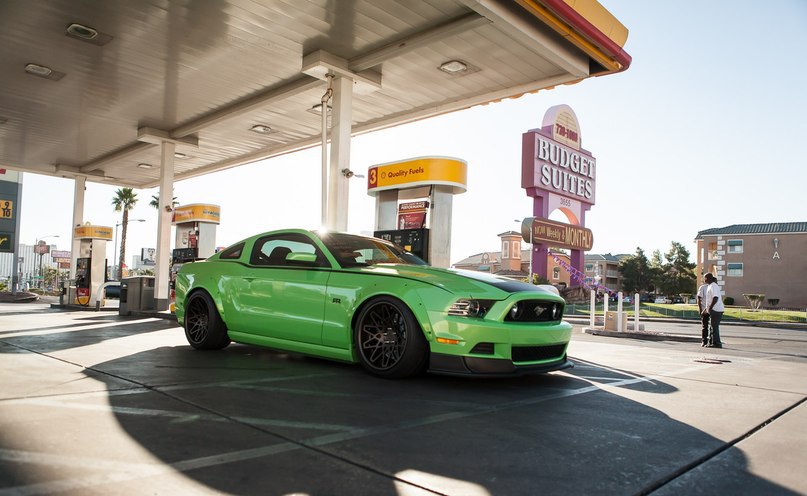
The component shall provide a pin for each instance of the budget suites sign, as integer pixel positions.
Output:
(557, 163)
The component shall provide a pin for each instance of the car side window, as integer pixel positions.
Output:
(232, 253)
(273, 250)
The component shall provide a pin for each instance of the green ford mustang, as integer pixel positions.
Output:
(365, 300)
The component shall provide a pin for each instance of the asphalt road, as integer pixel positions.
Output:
(92, 403)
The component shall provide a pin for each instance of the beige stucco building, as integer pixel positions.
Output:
(514, 262)
(769, 259)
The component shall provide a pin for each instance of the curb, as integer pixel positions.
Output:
(645, 335)
(578, 319)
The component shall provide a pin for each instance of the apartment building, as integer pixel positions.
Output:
(769, 259)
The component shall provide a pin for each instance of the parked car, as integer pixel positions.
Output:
(367, 301)
(662, 300)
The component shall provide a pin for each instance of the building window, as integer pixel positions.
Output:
(516, 250)
(735, 246)
(556, 273)
(505, 250)
(734, 270)
(589, 267)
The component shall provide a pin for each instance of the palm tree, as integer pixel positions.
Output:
(155, 201)
(123, 201)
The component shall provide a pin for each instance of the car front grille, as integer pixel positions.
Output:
(537, 353)
(535, 311)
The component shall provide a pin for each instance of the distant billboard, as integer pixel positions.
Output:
(148, 256)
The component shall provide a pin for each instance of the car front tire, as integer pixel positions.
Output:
(389, 341)
(204, 328)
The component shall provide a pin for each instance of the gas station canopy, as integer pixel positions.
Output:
(92, 87)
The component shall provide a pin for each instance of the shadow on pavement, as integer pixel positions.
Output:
(247, 420)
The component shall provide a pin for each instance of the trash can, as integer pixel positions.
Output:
(136, 295)
(611, 321)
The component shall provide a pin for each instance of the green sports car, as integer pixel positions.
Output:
(361, 299)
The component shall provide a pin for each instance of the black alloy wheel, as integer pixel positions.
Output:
(389, 340)
(204, 328)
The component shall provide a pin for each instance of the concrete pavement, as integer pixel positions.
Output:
(94, 403)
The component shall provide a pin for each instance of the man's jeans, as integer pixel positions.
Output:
(705, 329)
(715, 317)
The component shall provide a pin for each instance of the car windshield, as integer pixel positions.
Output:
(358, 251)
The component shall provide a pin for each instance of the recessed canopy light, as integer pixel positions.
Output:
(261, 129)
(38, 70)
(454, 67)
(81, 31)
(144, 166)
(87, 34)
(180, 155)
(43, 72)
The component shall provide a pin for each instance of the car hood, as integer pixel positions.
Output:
(457, 281)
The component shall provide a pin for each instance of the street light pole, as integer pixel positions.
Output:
(115, 254)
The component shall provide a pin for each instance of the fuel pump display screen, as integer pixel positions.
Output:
(412, 240)
(182, 255)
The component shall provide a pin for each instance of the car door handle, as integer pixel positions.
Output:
(249, 279)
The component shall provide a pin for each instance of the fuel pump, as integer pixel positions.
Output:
(90, 264)
(195, 237)
(422, 227)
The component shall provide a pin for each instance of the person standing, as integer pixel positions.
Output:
(715, 309)
(702, 306)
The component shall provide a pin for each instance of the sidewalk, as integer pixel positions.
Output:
(690, 334)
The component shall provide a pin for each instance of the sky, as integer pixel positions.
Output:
(702, 131)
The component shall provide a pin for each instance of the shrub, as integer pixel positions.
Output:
(728, 300)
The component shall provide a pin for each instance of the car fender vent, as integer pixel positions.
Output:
(483, 349)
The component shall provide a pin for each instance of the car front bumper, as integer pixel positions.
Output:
(490, 367)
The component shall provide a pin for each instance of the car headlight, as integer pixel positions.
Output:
(516, 311)
(470, 308)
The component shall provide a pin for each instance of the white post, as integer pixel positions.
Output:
(166, 202)
(115, 257)
(338, 188)
(605, 297)
(78, 220)
(636, 312)
(591, 315)
(619, 312)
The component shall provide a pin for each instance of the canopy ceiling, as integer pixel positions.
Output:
(95, 99)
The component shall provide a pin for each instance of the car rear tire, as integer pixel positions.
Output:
(389, 341)
(204, 328)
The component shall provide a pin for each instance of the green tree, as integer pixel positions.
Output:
(637, 275)
(123, 201)
(155, 201)
(678, 274)
(656, 270)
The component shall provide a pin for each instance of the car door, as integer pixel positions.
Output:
(279, 298)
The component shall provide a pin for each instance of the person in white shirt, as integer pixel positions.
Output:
(714, 308)
(703, 305)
